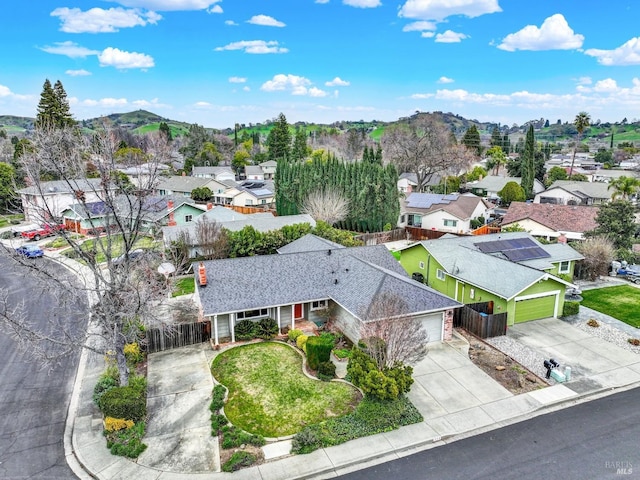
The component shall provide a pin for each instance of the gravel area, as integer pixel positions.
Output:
(609, 334)
(522, 354)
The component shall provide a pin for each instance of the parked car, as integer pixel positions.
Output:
(41, 232)
(30, 251)
(18, 229)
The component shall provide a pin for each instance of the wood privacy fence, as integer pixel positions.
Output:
(479, 319)
(417, 233)
(382, 237)
(174, 336)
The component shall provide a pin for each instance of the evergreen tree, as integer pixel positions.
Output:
(53, 107)
(299, 151)
(496, 138)
(64, 118)
(165, 130)
(471, 140)
(279, 139)
(528, 164)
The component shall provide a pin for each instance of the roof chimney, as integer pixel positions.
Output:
(172, 221)
(209, 206)
(562, 238)
(202, 275)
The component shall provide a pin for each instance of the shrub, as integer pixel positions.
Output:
(318, 350)
(267, 328)
(342, 352)
(326, 370)
(114, 424)
(307, 440)
(382, 384)
(294, 334)
(133, 354)
(105, 383)
(570, 308)
(139, 383)
(218, 420)
(124, 402)
(301, 341)
(634, 341)
(593, 323)
(217, 398)
(233, 437)
(239, 460)
(128, 442)
(245, 330)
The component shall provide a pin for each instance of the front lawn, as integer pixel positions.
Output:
(183, 286)
(621, 302)
(270, 396)
(116, 247)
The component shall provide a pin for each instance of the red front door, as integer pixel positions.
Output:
(297, 311)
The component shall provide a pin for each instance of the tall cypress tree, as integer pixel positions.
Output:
(53, 107)
(528, 164)
(279, 140)
(472, 140)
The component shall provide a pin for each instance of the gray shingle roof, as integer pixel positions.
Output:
(63, 186)
(586, 189)
(309, 243)
(177, 183)
(352, 277)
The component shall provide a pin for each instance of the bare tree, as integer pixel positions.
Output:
(391, 335)
(598, 253)
(425, 147)
(212, 240)
(124, 292)
(328, 205)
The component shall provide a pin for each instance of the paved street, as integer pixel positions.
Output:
(591, 440)
(33, 401)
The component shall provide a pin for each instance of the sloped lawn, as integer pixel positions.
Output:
(621, 302)
(270, 396)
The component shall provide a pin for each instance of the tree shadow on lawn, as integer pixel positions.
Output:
(269, 395)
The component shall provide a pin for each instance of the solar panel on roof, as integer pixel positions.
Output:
(491, 247)
(527, 253)
(522, 243)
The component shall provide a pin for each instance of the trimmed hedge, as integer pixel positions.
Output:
(267, 328)
(245, 330)
(318, 351)
(128, 402)
(570, 308)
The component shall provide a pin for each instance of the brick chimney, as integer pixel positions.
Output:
(202, 275)
(209, 206)
(562, 238)
(172, 221)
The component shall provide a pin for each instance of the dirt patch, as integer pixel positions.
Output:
(502, 368)
(225, 454)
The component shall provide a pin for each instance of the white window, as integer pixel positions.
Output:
(318, 305)
(261, 312)
(421, 265)
(440, 274)
(472, 293)
(450, 223)
(188, 218)
(249, 202)
(564, 267)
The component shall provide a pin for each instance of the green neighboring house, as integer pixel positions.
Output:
(513, 270)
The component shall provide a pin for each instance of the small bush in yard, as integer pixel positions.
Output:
(127, 442)
(217, 398)
(570, 308)
(105, 383)
(133, 354)
(267, 328)
(593, 323)
(239, 460)
(218, 420)
(124, 402)
(342, 352)
(114, 424)
(233, 437)
(326, 371)
(301, 341)
(294, 334)
(318, 350)
(634, 341)
(245, 330)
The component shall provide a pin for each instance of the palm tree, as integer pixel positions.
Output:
(581, 122)
(624, 187)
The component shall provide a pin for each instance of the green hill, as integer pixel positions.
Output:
(13, 124)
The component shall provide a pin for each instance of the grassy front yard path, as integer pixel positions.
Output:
(270, 396)
(621, 302)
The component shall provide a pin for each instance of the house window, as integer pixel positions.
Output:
(415, 220)
(472, 293)
(318, 305)
(188, 218)
(450, 223)
(421, 265)
(249, 202)
(261, 312)
(564, 267)
(440, 274)
(401, 218)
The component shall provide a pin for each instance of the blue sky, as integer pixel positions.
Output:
(217, 63)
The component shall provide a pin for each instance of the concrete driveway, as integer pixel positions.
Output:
(595, 363)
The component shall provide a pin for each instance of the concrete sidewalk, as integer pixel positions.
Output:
(455, 397)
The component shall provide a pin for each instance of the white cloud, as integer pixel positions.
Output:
(98, 20)
(266, 21)
(626, 54)
(154, 103)
(554, 34)
(168, 5)
(114, 57)
(445, 80)
(419, 26)
(585, 81)
(231, 23)
(322, 1)
(246, 89)
(237, 79)
(77, 73)
(254, 46)
(202, 104)
(292, 83)
(215, 9)
(428, 34)
(69, 49)
(438, 10)
(5, 91)
(362, 3)
(606, 85)
(103, 102)
(450, 37)
(337, 82)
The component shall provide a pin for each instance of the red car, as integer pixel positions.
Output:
(41, 232)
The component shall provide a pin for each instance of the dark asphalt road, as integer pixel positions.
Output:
(33, 401)
(592, 440)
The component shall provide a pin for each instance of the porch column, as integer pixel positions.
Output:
(448, 325)
(215, 330)
(232, 326)
(293, 315)
(278, 319)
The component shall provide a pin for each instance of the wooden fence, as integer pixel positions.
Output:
(417, 233)
(377, 238)
(486, 230)
(174, 336)
(250, 210)
(479, 319)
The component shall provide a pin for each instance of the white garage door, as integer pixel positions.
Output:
(433, 325)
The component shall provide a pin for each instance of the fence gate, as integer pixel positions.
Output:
(479, 319)
(174, 336)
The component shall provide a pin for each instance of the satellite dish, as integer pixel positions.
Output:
(166, 269)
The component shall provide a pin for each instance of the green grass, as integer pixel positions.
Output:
(621, 302)
(270, 396)
(6, 220)
(146, 243)
(184, 286)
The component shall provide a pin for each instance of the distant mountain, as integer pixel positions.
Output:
(12, 123)
(135, 119)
